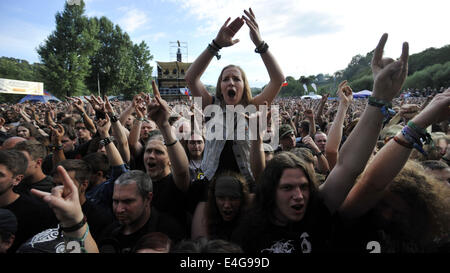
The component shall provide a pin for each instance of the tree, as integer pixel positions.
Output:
(65, 53)
(16, 69)
(143, 70)
(119, 65)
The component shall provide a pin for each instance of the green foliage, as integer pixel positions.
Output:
(83, 53)
(363, 83)
(428, 57)
(15, 69)
(65, 53)
(435, 76)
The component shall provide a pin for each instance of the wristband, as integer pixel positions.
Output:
(171, 144)
(214, 51)
(81, 240)
(114, 118)
(106, 140)
(403, 143)
(262, 48)
(216, 45)
(74, 227)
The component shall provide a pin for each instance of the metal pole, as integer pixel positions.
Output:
(98, 85)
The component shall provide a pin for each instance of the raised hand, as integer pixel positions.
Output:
(158, 110)
(78, 103)
(96, 103)
(103, 126)
(253, 26)
(309, 114)
(345, 93)
(388, 75)
(437, 110)
(108, 107)
(64, 200)
(307, 140)
(57, 134)
(226, 33)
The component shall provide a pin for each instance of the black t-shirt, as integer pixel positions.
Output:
(311, 234)
(227, 161)
(171, 200)
(114, 241)
(25, 186)
(98, 218)
(198, 192)
(33, 216)
(47, 164)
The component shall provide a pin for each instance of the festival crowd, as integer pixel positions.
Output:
(154, 176)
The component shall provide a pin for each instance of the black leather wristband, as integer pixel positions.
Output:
(114, 118)
(74, 227)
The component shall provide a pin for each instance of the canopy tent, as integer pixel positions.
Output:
(362, 94)
(41, 98)
(314, 97)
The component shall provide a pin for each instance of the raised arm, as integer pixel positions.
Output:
(56, 138)
(322, 163)
(390, 160)
(114, 157)
(257, 156)
(118, 132)
(79, 104)
(335, 135)
(223, 39)
(275, 74)
(135, 132)
(64, 200)
(389, 76)
(309, 115)
(159, 111)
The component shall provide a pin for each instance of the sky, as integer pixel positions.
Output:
(306, 37)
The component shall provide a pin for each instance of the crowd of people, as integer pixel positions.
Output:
(140, 176)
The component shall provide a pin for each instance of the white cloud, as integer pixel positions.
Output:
(132, 19)
(311, 37)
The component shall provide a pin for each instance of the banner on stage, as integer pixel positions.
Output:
(21, 87)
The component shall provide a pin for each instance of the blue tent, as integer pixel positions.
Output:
(42, 98)
(362, 94)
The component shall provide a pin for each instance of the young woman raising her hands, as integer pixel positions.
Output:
(232, 89)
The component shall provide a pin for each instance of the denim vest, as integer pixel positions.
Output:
(214, 147)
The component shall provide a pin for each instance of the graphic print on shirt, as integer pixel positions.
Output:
(306, 245)
(280, 247)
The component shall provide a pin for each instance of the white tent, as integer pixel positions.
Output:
(312, 97)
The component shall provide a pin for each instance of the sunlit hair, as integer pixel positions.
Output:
(429, 202)
(213, 216)
(247, 94)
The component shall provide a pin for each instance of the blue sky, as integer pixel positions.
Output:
(306, 37)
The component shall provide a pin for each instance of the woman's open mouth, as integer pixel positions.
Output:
(231, 93)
